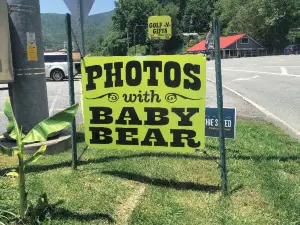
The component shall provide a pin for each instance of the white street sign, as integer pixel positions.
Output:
(74, 7)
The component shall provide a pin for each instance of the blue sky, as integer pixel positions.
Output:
(58, 6)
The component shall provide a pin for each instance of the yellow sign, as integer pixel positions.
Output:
(160, 27)
(154, 103)
(32, 53)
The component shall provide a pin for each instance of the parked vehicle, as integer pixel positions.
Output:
(56, 66)
(292, 49)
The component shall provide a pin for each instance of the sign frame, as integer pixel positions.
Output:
(108, 110)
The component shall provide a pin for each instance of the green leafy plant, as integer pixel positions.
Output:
(7, 217)
(39, 133)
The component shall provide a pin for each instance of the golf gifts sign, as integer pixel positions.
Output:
(145, 103)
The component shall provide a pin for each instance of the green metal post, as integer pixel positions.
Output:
(216, 27)
(71, 87)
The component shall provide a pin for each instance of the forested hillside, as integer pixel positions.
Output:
(273, 23)
(53, 25)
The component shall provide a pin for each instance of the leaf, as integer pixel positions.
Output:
(12, 127)
(8, 151)
(13, 135)
(36, 155)
(51, 125)
(4, 212)
(4, 217)
(10, 116)
(12, 174)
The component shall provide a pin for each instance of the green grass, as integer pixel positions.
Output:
(161, 188)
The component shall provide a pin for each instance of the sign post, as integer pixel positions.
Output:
(81, 21)
(71, 88)
(216, 26)
(80, 10)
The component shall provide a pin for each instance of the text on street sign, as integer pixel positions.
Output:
(212, 122)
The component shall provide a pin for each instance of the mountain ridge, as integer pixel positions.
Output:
(53, 28)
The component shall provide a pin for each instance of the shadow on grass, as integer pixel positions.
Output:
(80, 138)
(65, 214)
(236, 189)
(269, 157)
(41, 168)
(163, 183)
(44, 210)
(235, 154)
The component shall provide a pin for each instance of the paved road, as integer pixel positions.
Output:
(272, 83)
(58, 99)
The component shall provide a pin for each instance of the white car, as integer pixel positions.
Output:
(56, 66)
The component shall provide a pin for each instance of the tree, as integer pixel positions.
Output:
(95, 48)
(114, 45)
(267, 21)
(132, 16)
(175, 42)
(197, 16)
(138, 49)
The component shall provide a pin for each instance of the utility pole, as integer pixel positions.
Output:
(134, 36)
(134, 40)
(127, 31)
(190, 25)
(28, 92)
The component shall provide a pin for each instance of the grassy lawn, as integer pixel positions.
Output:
(128, 187)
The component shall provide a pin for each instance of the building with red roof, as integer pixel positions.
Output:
(240, 45)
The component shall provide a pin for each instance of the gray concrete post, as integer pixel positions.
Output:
(28, 92)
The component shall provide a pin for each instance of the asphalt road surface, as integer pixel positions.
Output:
(58, 99)
(269, 84)
(272, 84)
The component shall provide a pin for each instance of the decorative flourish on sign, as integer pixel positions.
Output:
(172, 97)
(112, 97)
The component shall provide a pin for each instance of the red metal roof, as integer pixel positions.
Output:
(224, 43)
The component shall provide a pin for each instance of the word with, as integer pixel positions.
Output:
(146, 97)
